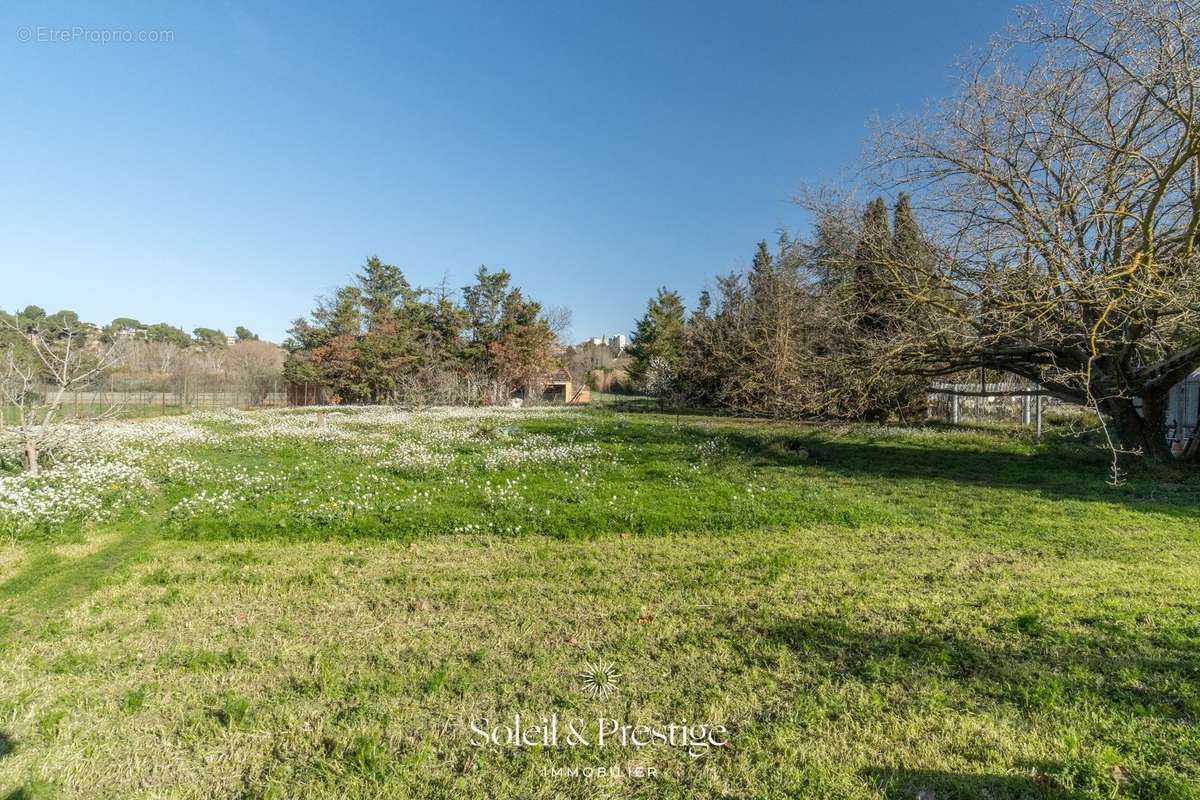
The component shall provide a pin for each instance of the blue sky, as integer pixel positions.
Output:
(596, 150)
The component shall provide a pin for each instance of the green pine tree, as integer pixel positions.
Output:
(657, 345)
(870, 281)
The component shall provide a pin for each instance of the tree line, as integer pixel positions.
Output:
(379, 339)
(35, 318)
(1060, 199)
(802, 333)
(158, 357)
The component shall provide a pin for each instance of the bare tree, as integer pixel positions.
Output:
(559, 318)
(38, 368)
(1063, 185)
(582, 360)
(258, 365)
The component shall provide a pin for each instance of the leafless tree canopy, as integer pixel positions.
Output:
(1060, 189)
(57, 356)
(257, 365)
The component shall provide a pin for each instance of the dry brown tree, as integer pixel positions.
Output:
(1061, 187)
(256, 366)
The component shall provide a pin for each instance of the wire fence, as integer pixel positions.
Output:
(1025, 404)
(979, 401)
(135, 397)
(1007, 401)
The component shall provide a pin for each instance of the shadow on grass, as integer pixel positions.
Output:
(33, 791)
(7, 745)
(904, 784)
(1058, 469)
(1029, 667)
(1026, 673)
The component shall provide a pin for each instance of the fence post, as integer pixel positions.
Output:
(1039, 411)
(954, 407)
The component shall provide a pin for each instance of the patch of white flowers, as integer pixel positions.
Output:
(406, 456)
(73, 490)
(538, 449)
(102, 469)
(710, 449)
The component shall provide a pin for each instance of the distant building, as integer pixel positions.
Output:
(618, 341)
(559, 389)
(553, 388)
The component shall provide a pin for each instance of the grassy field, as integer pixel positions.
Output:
(323, 604)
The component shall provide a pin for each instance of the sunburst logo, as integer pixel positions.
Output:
(600, 679)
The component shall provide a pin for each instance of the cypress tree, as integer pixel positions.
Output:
(907, 243)
(910, 257)
(870, 281)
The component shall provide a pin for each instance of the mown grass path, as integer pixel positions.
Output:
(51, 582)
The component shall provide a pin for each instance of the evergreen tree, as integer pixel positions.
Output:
(168, 334)
(210, 337)
(126, 324)
(870, 283)
(484, 303)
(381, 287)
(658, 340)
(122, 325)
(908, 247)
(910, 257)
(763, 265)
(381, 339)
(884, 254)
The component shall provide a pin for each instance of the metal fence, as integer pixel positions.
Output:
(1021, 402)
(981, 401)
(140, 398)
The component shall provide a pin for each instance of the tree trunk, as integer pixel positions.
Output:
(31, 456)
(1154, 426)
(1144, 430)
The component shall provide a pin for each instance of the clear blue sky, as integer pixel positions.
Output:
(596, 150)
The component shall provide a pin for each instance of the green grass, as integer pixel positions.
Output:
(873, 613)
